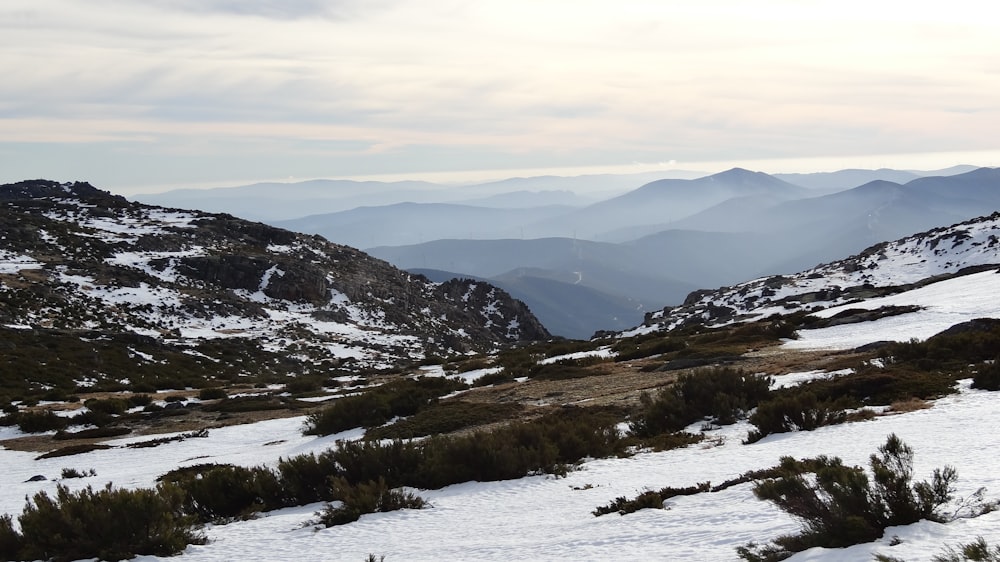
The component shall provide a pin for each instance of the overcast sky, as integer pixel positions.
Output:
(161, 93)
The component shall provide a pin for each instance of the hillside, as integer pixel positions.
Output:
(125, 290)
(882, 269)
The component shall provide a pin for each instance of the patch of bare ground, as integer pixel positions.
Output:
(617, 384)
(904, 406)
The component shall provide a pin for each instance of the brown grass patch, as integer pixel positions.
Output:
(910, 405)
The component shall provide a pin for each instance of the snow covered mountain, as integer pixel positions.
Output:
(77, 263)
(890, 267)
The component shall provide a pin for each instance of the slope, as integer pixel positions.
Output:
(181, 291)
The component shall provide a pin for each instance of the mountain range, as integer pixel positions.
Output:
(642, 245)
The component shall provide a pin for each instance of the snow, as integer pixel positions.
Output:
(11, 264)
(946, 303)
(602, 352)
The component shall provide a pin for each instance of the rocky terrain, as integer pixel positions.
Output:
(96, 290)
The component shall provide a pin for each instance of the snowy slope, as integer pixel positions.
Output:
(885, 268)
(79, 259)
(548, 518)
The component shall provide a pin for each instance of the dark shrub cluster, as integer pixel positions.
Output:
(222, 493)
(446, 417)
(649, 499)
(841, 505)
(403, 397)
(374, 496)
(722, 394)
(987, 376)
(977, 551)
(38, 421)
(213, 393)
(109, 524)
(545, 445)
(800, 411)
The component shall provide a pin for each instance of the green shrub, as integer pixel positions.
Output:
(110, 524)
(632, 349)
(976, 551)
(498, 377)
(721, 394)
(73, 450)
(840, 505)
(445, 417)
(213, 393)
(39, 421)
(402, 397)
(568, 369)
(306, 478)
(11, 542)
(137, 400)
(374, 496)
(987, 377)
(219, 493)
(304, 384)
(96, 433)
(74, 473)
(108, 406)
(649, 499)
(795, 412)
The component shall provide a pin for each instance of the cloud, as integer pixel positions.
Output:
(497, 82)
(272, 9)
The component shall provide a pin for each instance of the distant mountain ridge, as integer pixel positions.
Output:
(77, 262)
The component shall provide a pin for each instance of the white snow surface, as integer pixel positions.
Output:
(945, 304)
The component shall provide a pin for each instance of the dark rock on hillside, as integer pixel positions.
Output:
(34, 189)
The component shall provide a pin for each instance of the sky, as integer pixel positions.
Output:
(159, 94)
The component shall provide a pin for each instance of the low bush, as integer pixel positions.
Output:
(498, 377)
(445, 417)
(109, 524)
(840, 505)
(374, 496)
(213, 393)
(649, 499)
(95, 433)
(721, 394)
(569, 369)
(73, 450)
(39, 421)
(220, 493)
(987, 377)
(74, 473)
(242, 404)
(402, 397)
(108, 406)
(976, 551)
(800, 411)
(879, 386)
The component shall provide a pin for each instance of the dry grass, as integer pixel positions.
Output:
(911, 405)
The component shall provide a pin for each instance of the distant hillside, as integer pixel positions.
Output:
(79, 266)
(565, 308)
(411, 223)
(885, 268)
